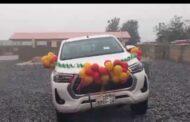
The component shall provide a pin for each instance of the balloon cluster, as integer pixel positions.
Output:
(116, 72)
(137, 52)
(49, 60)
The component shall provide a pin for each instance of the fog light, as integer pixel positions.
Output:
(145, 86)
(58, 98)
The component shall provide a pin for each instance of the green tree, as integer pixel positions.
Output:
(162, 32)
(132, 27)
(187, 29)
(174, 30)
(113, 25)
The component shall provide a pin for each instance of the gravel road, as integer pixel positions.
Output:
(25, 96)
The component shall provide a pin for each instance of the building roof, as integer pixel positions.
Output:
(63, 35)
(181, 42)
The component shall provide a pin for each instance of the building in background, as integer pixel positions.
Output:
(53, 39)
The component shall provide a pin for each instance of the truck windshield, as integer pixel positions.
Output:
(90, 47)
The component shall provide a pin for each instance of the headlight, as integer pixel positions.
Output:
(62, 77)
(136, 67)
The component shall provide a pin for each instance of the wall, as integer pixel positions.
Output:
(177, 53)
(27, 53)
(186, 54)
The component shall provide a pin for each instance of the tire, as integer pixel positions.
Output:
(120, 105)
(140, 108)
(62, 117)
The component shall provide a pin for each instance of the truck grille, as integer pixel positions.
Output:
(94, 88)
(135, 68)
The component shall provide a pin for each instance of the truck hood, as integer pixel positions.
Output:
(73, 63)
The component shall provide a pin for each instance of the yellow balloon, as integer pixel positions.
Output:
(134, 50)
(49, 57)
(124, 76)
(82, 73)
(109, 66)
(51, 54)
(117, 70)
(105, 79)
(44, 59)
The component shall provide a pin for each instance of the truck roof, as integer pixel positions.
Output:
(88, 37)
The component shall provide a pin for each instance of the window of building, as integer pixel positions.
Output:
(26, 43)
(54, 44)
(41, 43)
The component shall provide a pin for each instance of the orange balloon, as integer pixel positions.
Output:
(87, 65)
(46, 64)
(109, 65)
(115, 79)
(87, 80)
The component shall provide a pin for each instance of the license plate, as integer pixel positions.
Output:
(105, 99)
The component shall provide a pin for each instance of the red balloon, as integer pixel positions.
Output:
(103, 71)
(124, 69)
(95, 67)
(54, 59)
(96, 77)
(117, 62)
(125, 65)
(139, 58)
(139, 53)
(106, 61)
(89, 72)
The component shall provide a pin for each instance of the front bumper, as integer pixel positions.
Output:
(72, 105)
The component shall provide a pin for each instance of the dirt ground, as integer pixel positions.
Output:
(25, 96)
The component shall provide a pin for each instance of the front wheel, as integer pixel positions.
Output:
(140, 108)
(62, 117)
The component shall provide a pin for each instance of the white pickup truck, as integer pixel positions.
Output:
(95, 49)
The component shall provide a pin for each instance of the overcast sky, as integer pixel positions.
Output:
(84, 17)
